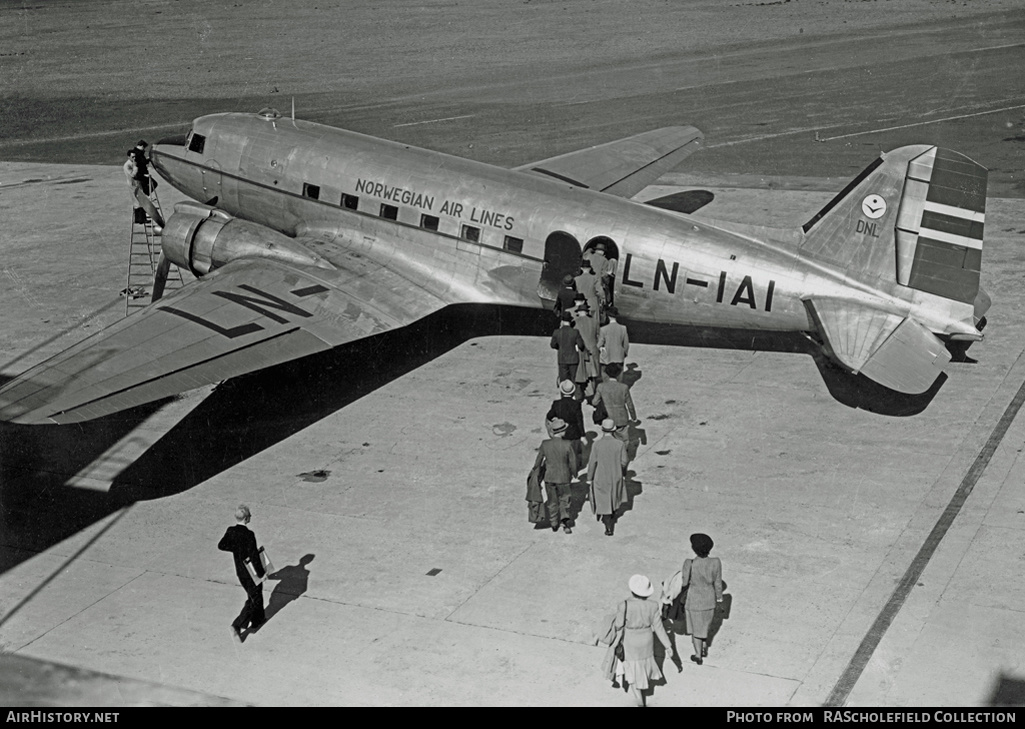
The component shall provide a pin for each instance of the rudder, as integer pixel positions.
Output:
(940, 223)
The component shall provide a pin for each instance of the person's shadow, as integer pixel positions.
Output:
(633, 490)
(631, 374)
(638, 436)
(292, 582)
(722, 612)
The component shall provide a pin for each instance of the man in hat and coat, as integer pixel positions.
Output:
(605, 471)
(567, 409)
(618, 403)
(588, 284)
(613, 342)
(564, 299)
(560, 467)
(604, 269)
(566, 339)
(587, 369)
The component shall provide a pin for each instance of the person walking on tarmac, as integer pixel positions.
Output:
(567, 409)
(569, 344)
(241, 542)
(605, 471)
(560, 463)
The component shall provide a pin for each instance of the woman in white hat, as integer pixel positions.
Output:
(638, 619)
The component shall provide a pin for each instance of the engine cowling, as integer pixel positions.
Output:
(202, 238)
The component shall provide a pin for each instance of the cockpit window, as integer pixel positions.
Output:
(196, 143)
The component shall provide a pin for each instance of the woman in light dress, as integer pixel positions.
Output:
(638, 620)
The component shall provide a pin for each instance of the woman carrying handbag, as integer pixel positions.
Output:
(703, 580)
(638, 620)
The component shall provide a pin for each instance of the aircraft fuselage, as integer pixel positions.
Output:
(453, 222)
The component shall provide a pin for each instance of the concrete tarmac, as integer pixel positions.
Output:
(870, 544)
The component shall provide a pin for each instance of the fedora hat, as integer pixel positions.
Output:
(558, 426)
(608, 425)
(641, 586)
(566, 387)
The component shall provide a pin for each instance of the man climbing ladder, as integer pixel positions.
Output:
(142, 186)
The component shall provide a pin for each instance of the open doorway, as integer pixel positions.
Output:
(562, 256)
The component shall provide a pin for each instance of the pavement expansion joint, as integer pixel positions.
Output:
(491, 579)
(70, 617)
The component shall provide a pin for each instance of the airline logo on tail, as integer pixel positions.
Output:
(873, 207)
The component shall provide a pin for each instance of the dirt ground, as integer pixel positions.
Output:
(509, 82)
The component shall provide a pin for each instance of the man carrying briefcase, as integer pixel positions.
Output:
(241, 542)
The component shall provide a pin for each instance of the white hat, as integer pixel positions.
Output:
(566, 387)
(608, 425)
(641, 586)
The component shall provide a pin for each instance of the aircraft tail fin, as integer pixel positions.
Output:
(914, 216)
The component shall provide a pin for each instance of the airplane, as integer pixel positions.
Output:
(304, 237)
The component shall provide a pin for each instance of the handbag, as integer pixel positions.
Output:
(676, 609)
(620, 653)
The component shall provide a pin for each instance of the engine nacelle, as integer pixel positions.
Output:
(201, 238)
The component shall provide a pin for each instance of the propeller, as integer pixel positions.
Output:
(160, 276)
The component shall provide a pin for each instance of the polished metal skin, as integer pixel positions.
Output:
(305, 237)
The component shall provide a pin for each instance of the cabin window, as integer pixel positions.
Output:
(513, 244)
(350, 202)
(311, 191)
(196, 143)
(471, 233)
(429, 221)
(389, 212)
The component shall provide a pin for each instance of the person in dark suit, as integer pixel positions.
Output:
(569, 344)
(560, 467)
(564, 299)
(241, 542)
(567, 408)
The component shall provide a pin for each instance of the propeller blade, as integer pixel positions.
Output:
(160, 276)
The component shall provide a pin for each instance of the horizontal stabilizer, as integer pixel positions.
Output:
(885, 346)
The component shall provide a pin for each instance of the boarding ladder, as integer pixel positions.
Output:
(143, 253)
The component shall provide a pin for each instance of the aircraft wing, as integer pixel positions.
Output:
(248, 315)
(624, 167)
(888, 347)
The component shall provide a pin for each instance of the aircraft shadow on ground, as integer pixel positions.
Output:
(245, 415)
(854, 391)
(240, 418)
